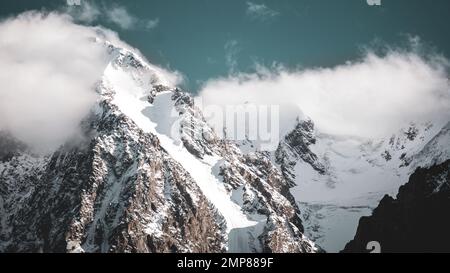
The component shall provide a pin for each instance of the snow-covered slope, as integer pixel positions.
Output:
(149, 176)
(159, 118)
(338, 179)
(435, 151)
(172, 117)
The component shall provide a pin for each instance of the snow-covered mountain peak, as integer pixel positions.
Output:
(171, 115)
(151, 176)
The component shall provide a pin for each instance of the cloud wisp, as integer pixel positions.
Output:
(260, 11)
(120, 16)
(90, 12)
(232, 49)
(371, 97)
(85, 12)
(151, 24)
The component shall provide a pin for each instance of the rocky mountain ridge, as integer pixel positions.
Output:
(149, 176)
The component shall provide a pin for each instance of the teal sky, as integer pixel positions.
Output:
(205, 39)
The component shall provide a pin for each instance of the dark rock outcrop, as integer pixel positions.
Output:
(9, 146)
(295, 147)
(416, 221)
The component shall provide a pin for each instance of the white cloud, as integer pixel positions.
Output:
(49, 67)
(48, 72)
(260, 11)
(371, 97)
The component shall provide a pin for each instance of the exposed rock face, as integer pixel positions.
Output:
(119, 192)
(9, 147)
(261, 189)
(18, 179)
(416, 221)
(253, 182)
(131, 186)
(295, 147)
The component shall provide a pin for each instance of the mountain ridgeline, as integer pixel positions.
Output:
(130, 186)
(150, 175)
